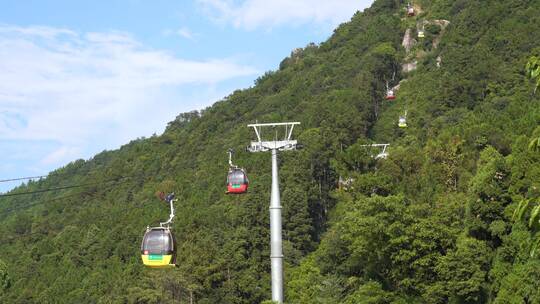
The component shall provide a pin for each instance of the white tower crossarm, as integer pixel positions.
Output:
(383, 154)
(282, 145)
(376, 145)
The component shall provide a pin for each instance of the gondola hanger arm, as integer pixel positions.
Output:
(230, 152)
(171, 215)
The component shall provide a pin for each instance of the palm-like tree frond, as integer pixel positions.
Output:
(520, 210)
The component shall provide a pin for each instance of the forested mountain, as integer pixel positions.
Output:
(434, 222)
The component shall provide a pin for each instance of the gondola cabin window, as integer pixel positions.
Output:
(157, 241)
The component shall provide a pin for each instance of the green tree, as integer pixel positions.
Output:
(5, 280)
(462, 272)
(533, 70)
(304, 283)
(533, 222)
(530, 207)
(370, 293)
(489, 187)
(521, 285)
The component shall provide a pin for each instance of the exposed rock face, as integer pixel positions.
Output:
(409, 66)
(442, 24)
(408, 41)
(345, 183)
(417, 9)
(397, 86)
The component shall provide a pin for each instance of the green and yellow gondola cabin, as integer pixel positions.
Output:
(158, 248)
(402, 122)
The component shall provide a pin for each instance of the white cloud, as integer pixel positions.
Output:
(183, 32)
(41, 31)
(254, 14)
(60, 155)
(86, 92)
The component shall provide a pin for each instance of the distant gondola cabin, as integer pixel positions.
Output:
(410, 11)
(390, 95)
(237, 181)
(421, 34)
(158, 248)
(402, 122)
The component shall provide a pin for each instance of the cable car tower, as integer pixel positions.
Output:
(284, 144)
(383, 154)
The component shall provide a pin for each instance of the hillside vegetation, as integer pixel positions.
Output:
(432, 223)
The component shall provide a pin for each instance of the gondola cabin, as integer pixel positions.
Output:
(410, 11)
(237, 181)
(390, 95)
(421, 34)
(402, 122)
(158, 249)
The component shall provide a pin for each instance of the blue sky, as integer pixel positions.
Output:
(80, 77)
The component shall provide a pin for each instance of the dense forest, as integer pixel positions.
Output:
(450, 216)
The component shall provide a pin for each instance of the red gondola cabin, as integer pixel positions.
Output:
(390, 95)
(410, 11)
(237, 181)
